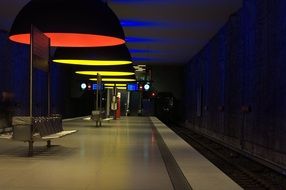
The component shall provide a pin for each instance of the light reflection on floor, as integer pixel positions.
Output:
(122, 154)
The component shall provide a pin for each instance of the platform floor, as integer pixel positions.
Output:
(126, 154)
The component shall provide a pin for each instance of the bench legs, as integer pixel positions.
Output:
(31, 147)
(30, 153)
(49, 144)
(98, 123)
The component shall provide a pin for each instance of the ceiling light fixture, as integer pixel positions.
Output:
(114, 79)
(85, 23)
(91, 62)
(99, 56)
(119, 70)
(109, 84)
(121, 88)
(105, 73)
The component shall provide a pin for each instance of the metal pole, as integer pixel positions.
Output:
(97, 91)
(140, 103)
(108, 103)
(31, 73)
(100, 99)
(128, 102)
(49, 90)
(30, 153)
(114, 95)
(49, 83)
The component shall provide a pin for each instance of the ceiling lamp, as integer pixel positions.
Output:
(140, 68)
(114, 79)
(105, 73)
(121, 88)
(119, 70)
(98, 56)
(110, 84)
(74, 23)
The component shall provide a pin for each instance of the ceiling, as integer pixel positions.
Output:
(157, 31)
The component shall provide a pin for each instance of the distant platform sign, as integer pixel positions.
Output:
(132, 87)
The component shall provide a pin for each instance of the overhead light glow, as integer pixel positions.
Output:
(83, 86)
(121, 85)
(91, 62)
(139, 23)
(72, 40)
(146, 87)
(105, 73)
(95, 26)
(139, 40)
(121, 88)
(113, 79)
(109, 84)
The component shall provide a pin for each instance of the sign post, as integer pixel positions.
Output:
(39, 59)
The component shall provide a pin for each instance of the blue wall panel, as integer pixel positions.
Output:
(14, 78)
(243, 67)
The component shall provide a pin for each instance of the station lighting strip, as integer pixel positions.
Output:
(105, 73)
(120, 87)
(91, 62)
(109, 84)
(113, 80)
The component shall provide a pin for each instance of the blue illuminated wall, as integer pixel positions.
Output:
(14, 73)
(14, 78)
(243, 67)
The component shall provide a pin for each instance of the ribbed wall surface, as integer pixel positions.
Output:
(242, 67)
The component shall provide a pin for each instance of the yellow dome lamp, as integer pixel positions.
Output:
(119, 88)
(115, 79)
(108, 71)
(120, 83)
(98, 56)
(105, 73)
(115, 84)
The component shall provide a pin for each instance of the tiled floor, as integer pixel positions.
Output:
(133, 153)
(122, 154)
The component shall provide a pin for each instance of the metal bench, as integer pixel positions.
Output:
(97, 116)
(33, 129)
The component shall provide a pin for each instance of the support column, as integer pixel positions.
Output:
(127, 103)
(108, 103)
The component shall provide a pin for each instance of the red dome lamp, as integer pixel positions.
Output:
(73, 23)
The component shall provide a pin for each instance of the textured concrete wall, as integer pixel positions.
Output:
(238, 82)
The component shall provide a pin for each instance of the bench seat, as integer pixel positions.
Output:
(32, 129)
(6, 136)
(58, 135)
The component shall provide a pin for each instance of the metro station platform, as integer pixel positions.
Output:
(132, 153)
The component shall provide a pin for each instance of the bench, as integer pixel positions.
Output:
(4, 125)
(31, 129)
(97, 115)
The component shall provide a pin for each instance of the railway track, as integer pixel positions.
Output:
(249, 174)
